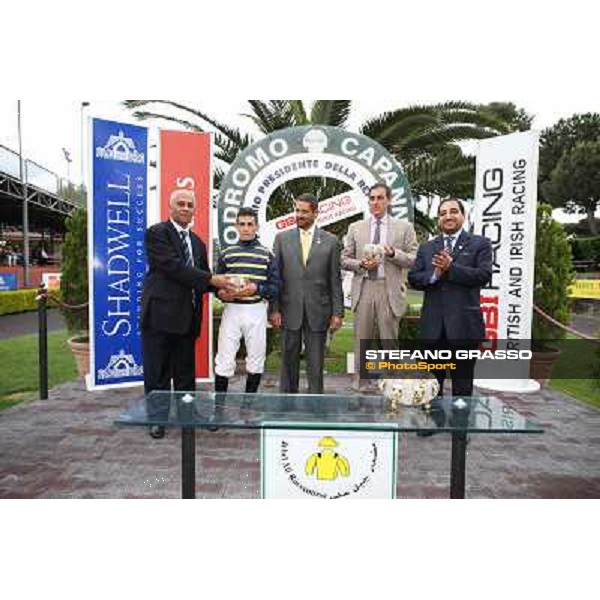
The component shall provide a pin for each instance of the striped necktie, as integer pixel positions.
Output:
(188, 259)
(376, 239)
(186, 249)
(449, 243)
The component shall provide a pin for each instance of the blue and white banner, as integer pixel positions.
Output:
(8, 282)
(117, 223)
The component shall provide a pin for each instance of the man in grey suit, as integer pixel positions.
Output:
(311, 299)
(378, 286)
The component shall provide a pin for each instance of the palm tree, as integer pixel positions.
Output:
(425, 139)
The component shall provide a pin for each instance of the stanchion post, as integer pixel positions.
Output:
(42, 299)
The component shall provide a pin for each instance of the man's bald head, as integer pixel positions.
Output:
(181, 206)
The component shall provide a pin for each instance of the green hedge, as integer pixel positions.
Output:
(586, 248)
(22, 301)
(17, 301)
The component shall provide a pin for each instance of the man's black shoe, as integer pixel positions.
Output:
(157, 432)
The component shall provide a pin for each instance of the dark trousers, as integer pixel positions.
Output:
(168, 357)
(314, 343)
(462, 376)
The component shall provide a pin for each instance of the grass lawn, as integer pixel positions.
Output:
(578, 357)
(19, 359)
(19, 378)
(415, 297)
(585, 390)
(335, 359)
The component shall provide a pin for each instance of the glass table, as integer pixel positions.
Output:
(205, 410)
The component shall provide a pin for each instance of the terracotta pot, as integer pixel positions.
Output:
(80, 347)
(542, 364)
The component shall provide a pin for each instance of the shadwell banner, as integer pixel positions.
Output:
(123, 204)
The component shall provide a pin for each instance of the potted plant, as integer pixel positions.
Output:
(74, 288)
(553, 276)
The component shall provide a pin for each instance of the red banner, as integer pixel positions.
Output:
(185, 163)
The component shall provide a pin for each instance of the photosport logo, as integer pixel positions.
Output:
(120, 148)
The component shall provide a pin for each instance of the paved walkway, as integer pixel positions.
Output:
(27, 323)
(68, 447)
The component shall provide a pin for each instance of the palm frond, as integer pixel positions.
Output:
(330, 112)
(448, 173)
(480, 117)
(143, 115)
(273, 115)
(226, 130)
(227, 150)
(218, 176)
(393, 124)
(299, 112)
(393, 132)
(434, 139)
(137, 103)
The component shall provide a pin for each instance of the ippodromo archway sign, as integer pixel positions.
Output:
(308, 151)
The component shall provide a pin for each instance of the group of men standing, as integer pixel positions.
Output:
(298, 288)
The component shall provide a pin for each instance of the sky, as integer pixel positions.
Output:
(49, 125)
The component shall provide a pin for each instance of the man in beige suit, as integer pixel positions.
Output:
(378, 286)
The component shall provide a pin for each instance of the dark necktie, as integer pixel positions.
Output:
(448, 241)
(186, 250)
(188, 259)
(377, 236)
(376, 240)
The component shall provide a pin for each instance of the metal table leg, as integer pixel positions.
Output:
(188, 462)
(457, 468)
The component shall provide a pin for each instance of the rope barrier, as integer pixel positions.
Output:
(562, 326)
(44, 293)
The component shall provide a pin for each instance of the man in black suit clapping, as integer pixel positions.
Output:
(451, 269)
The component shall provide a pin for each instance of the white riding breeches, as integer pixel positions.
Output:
(250, 322)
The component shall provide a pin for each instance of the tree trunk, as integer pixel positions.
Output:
(592, 221)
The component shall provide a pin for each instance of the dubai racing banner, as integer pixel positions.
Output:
(116, 226)
(505, 212)
(185, 163)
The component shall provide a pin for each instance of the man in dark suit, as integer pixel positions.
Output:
(311, 298)
(451, 269)
(178, 276)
